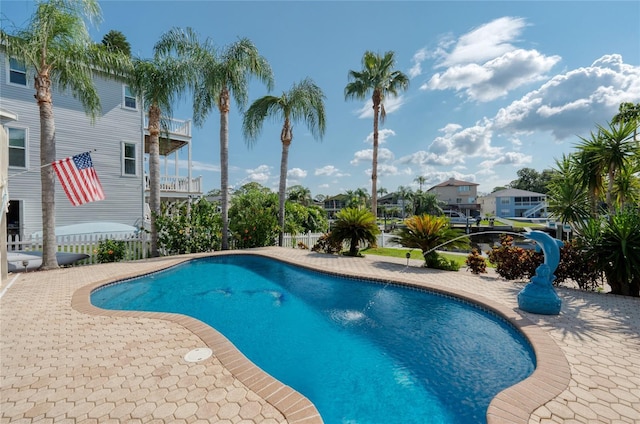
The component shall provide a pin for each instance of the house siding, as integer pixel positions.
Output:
(75, 134)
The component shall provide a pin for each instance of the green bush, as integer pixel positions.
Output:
(253, 217)
(110, 250)
(189, 229)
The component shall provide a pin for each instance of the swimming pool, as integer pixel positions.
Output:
(362, 352)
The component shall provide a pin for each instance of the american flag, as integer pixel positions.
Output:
(79, 179)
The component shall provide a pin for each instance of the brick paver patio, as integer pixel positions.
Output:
(62, 360)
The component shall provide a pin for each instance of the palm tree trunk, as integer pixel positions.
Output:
(374, 166)
(154, 174)
(223, 106)
(47, 174)
(285, 136)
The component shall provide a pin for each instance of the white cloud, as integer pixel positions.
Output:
(486, 42)
(261, 174)
(383, 134)
(417, 59)
(330, 171)
(570, 104)
(515, 159)
(195, 165)
(391, 104)
(366, 156)
(296, 173)
(484, 64)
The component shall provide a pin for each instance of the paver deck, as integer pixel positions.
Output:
(63, 360)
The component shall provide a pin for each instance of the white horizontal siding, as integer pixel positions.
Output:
(76, 134)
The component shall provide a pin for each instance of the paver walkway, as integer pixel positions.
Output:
(62, 362)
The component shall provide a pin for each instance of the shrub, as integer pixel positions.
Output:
(326, 244)
(576, 266)
(253, 217)
(184, 228)
(110, 250)
(514, 263)
(435, 261)
(355, 225)
(476, 263)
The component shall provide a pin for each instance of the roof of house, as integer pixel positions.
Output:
(452, 182)
(514, 192)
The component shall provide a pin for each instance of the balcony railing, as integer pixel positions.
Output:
(174, 126)
(174, 184)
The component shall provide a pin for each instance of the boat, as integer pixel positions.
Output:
(30, 260)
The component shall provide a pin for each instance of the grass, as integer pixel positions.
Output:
(415, 254)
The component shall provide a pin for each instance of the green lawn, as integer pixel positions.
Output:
(415, 254)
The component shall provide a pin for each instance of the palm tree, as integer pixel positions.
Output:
(159, 81)
(56, 44)
(612, 149)
(420, 180)
(303, 102)
(628, 112)
(404, 193)
(426, 232)
(426, 203)
(355, 225)
(378, 78)
(222, 75)
(568, 196)
(299, 194)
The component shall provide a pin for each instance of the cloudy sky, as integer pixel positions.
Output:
(494, 86)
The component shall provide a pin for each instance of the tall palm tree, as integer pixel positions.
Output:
(613, 151)
(159, 81)
(299, 194)
(303, 102)
(405, 194)
(223, 75)
(380, 79)
(568, 195)
(57, 46)
(426, 203)
(420, 180)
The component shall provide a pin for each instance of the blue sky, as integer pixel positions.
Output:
(495, 86)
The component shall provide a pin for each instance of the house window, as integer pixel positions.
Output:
(18, 147)
(17, 72)
(464, 189)
(505, 200)
(129, 98)
(129, 162)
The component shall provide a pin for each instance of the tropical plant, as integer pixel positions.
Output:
(115, 41)
(189, 228)
(304, 102)
(476, 263)
(421, 180)
(426, 203)
(253, 217)
(355, 225)
(568, 197)
(513, 262)
(610, 151)
(159, 81)
(427, 232)
(628, 112)
(222, 75)
(613, 243)
(406, 195)
(380, 79)
(110, 251)
(299, 194)
(57, 48)
(326, 244)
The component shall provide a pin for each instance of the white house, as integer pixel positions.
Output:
(514, 203)
(116, 144)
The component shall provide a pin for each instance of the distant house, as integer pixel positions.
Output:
(115, 141)
(334, 204)
(458, 196)
(514, 203)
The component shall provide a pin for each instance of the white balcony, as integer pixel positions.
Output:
(171, 185)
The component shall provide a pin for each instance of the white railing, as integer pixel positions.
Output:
(174, 126)
(137, 246)
(534, 209)
(175, 184)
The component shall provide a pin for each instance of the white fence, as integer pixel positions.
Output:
(136, 245)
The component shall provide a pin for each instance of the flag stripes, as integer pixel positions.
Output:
(79, 179)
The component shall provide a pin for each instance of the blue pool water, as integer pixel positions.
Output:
(362, 352)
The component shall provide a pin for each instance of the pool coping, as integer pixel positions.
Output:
(514, 404)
